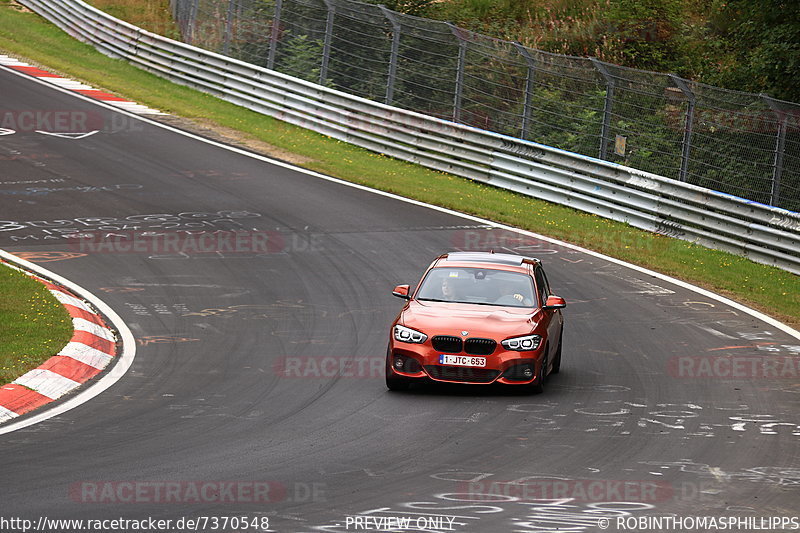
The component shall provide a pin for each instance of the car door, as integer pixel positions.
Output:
(551, 316)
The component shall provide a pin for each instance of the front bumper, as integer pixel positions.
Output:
(421, 361)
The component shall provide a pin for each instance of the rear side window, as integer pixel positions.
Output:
(542, 287)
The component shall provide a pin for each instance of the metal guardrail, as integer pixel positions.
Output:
(736, 142)
(762, 233)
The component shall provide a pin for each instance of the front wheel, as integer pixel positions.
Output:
(557, 360)
(537, 387)
(396, 384)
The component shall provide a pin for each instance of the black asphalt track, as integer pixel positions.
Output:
(234, 387)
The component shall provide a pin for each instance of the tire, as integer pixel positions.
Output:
(396, 384)
(557, 360)
(537, 387)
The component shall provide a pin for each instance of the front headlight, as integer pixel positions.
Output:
(522, 344)
(404, 334)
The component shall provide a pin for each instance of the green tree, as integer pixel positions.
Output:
(302, 58)
(765, 39)
(646, 32)
(409, 7)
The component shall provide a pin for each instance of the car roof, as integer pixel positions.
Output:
(487, 258)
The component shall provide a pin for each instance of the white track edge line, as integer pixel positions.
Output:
(124, 360)
(683, 284)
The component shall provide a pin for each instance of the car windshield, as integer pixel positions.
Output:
(481, 286)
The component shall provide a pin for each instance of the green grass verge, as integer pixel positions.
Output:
(34, 325)
(771, 290)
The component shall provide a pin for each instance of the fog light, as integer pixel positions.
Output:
(398, 363)
(520, 372)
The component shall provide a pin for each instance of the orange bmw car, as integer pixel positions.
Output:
(479, 318)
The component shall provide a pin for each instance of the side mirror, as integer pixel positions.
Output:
(401, 291)
(555, 302)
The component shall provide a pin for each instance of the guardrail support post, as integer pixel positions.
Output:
(228, 27)
(462, 59)
(274, 34)
(529, 79)
(780, 148)
(604, 131)
(396, 29)
(689, 125)
(326, 48)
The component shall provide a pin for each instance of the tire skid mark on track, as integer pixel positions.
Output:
(619, 417)
(538, 502)
(464, 510)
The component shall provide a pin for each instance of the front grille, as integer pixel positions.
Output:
(463, 374)
(477, 346)
(446, 344)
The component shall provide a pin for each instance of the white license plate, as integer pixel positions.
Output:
(461, 360)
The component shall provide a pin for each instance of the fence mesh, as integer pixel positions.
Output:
(739, 143)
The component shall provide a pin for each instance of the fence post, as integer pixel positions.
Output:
(228, 27)
(462, 58)
(780, 148)
(396, 29)
(273, 34)
(326, 48)
(529, 79)
(687, 130)
(604, 132)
